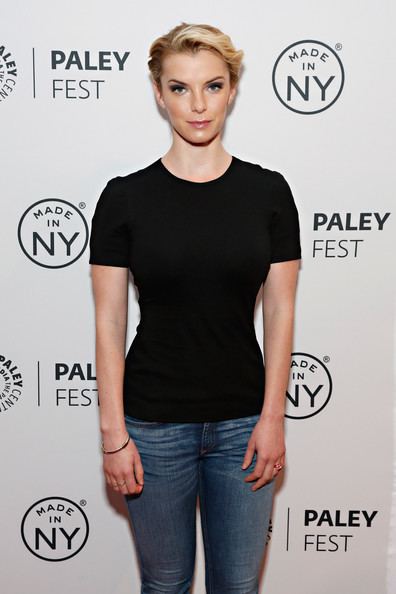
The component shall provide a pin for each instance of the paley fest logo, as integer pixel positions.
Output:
(8, 73)
(328, 530)
(334, 530)
(75, 384)
(11, 383)
(71, 384)
(347, 231)
(82, 74)
(308, 76)
(55, 528)
(53, 233)
(310, 386)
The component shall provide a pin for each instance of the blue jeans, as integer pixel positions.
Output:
(182, 461)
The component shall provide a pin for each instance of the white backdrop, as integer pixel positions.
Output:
(77, 109)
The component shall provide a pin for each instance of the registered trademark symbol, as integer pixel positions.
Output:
(338, 46)
(326, 358)
(82, 205)
(83, 502)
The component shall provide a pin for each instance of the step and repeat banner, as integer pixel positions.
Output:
(315, 102)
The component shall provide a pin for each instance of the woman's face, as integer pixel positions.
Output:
(195, 88)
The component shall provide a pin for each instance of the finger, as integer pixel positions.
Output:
(275, 473)
(138, 470)
(281, 460)
(279, 464)
(111, 481)
(131, 487)
(120, 485)
(260, 483)
(270, 472)
(247, 460)
(117, 482)
(265, 473)
(257, 470)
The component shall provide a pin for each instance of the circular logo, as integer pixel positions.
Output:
(308, 76)
(310, 387)
(54, 529)
(8, 73)
(10, 383)
(53, 233)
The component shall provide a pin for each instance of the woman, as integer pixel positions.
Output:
(188, 412)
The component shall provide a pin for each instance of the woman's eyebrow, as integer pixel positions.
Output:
(182, 83)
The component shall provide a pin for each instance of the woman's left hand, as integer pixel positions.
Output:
(268, 439)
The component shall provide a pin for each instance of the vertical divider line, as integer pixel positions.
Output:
(288, 529)
(34, 74)
(38, 383)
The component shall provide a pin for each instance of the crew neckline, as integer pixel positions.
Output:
(189, 182)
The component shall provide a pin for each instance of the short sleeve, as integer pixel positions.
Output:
(109, 239)
(285, 226)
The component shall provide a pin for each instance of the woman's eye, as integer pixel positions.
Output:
(175, 88)
(218, 85)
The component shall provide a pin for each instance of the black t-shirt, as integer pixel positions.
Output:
(198, 252)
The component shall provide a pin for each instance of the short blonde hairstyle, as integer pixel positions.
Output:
(192, 38)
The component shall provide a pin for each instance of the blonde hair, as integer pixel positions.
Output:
(192, 38)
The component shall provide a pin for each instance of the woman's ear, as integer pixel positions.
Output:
(157, 93)
(232, 94)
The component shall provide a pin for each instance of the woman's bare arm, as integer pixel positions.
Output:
(267, 437)
(278, 304)
(110, 286)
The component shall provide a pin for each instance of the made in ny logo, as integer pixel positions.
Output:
(55, 528)
(308, 76)
(310, 386)
(53, 233)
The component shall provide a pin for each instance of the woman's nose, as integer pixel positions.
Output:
(198, 102)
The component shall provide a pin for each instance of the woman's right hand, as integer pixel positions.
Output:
(124, 467)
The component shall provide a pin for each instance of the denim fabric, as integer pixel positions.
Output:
(183, 461)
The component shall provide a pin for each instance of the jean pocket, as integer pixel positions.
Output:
(135, 422)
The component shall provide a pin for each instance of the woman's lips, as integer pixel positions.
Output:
(201, 124)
